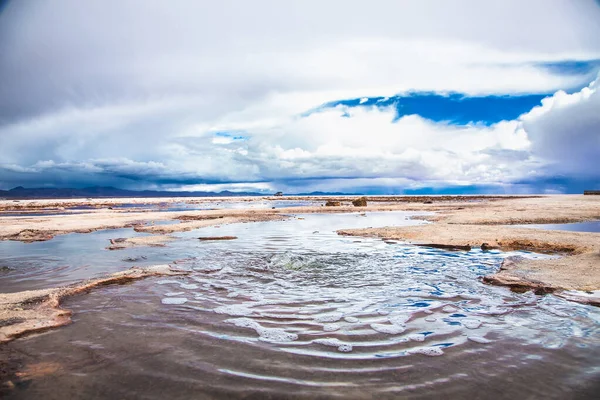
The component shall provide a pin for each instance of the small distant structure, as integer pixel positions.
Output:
(278, 194)
(590, 192)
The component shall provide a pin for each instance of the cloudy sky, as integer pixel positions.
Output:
(384, 96)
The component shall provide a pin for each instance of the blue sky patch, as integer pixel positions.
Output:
(233, 135)
(453, 108)
(572, 67)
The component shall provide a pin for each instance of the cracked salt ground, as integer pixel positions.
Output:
(285, 310)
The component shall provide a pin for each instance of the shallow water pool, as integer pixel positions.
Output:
(589, 226)
(292, 310)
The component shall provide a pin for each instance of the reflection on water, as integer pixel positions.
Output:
(290, 309)
(217, 205)
(589, 226)
(69, 258)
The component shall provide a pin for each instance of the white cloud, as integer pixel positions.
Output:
(141, 90)
(367, 144)
(565, 131)
(233, 55)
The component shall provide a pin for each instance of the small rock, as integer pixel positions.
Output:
(486, 247)
(360, 202)
(333, 204)
(206, 238)
(134, 259)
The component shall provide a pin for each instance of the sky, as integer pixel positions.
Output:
(377, 97)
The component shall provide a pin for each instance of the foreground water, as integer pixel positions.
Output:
(290, 309)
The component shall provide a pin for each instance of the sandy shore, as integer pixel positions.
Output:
(91, 205)
(153, 241)
(38, 310)
(467, 209)
(31, 229)
(489, 226)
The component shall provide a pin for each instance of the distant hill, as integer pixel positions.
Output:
(106, 191)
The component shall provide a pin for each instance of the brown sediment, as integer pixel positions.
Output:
(575, 272)
(38, 370)
(513, 274)
(202, 221)
(198, 217)
(38, 310)
(207, 238)
(454, 247)
(32, 235)
(32, 229)
(152, 241)
(543, 210)
(15, 371)
(490, 236)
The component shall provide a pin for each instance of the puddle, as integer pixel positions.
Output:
(589, 226)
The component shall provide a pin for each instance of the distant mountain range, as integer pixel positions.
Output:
(108, 191)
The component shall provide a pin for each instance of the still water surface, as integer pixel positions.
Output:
(168, 207)
(589, 226)
(292, 310)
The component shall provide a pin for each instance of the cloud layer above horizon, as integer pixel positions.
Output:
(378, 97)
